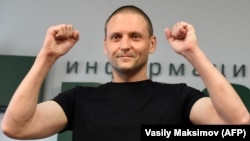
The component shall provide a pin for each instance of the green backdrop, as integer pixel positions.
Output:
(12, 71)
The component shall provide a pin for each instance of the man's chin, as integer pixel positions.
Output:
(125, 69)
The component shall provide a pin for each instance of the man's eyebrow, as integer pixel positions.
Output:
(135, 32)
(130, 33)
(114, 33)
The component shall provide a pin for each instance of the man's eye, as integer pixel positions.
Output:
(136, 36)
(115, 38)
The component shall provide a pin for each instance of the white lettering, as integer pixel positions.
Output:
(187, 132)
(162, 132)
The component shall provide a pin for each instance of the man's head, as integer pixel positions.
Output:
(128, 42)
(131, 9)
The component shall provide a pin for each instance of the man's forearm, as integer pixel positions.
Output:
(225, 99)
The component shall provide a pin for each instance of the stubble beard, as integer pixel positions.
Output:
(132, 70)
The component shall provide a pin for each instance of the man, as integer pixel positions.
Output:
(115, 110)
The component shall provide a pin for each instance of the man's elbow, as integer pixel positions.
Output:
(10, 131)
(248, 119)
(244, 119)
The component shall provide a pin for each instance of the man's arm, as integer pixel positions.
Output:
(24, 117)
(224, 105)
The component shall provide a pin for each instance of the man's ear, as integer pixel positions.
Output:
(152, 44)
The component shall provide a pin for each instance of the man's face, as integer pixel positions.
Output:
(127, 42)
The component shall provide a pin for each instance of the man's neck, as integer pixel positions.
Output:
(128, 78)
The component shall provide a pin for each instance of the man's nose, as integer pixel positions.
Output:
(125, 43)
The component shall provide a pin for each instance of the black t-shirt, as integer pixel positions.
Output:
(115, 111)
